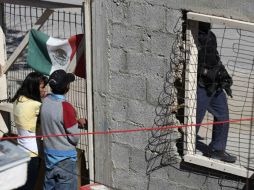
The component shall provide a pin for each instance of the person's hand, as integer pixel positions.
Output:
(82, 122)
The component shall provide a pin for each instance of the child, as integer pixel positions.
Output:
(59, 117)
(26, 106)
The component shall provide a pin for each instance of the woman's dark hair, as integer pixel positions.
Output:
(30, 87)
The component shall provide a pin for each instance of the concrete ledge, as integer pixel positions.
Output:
(218, 165)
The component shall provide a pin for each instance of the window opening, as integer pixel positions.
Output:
(234, 40)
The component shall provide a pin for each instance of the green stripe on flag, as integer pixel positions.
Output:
(38, 57)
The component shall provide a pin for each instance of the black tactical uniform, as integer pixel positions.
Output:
(213, 79)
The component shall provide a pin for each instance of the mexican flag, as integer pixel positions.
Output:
(47, 54)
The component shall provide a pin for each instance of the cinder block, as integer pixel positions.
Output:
(154, 89)
(161, 43)
(172, 18)
(133, 139)
(117, 16)
(141, 113)
(128, 86)
(120, 155)
(162, 2)
(156, 66)
(136, 14)
(117, 61)
(161, 184)
(128, 180)
(158, 43)
(138, 162)
(156, 17)
(127, 37)
(118, 108)
(135, 63)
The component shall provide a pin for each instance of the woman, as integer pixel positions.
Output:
(26, 107)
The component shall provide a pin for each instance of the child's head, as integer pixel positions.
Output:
(59, 81)
(33, 87)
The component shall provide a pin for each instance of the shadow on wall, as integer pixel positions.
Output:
(165, 147)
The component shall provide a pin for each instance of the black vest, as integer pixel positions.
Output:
(211, 72)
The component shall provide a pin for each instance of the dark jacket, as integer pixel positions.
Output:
(212, 74)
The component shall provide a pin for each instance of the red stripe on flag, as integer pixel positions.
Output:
(74, 42)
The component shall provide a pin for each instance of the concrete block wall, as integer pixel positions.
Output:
(132, 42)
